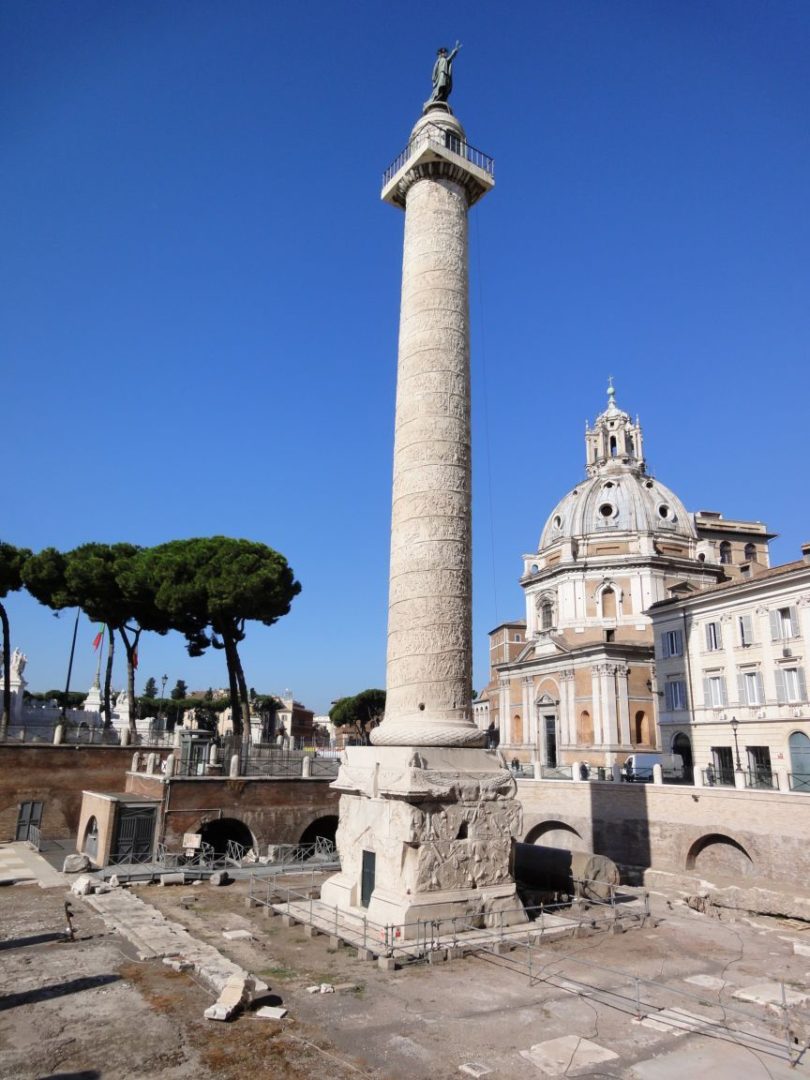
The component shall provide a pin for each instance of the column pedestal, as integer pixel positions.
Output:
(426, 833)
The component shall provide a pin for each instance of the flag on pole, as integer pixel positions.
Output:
(97, 640)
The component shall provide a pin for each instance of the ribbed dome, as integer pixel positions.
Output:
(617, 499)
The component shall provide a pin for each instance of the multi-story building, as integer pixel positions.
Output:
(574, 680)
(731, 675)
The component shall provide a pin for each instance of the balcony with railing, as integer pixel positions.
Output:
(448, 145)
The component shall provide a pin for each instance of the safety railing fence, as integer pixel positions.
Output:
(434, 134)
(646, 997)
(799, 782)
(274, 766)
(761, 778)
(324, 766)
(415, 941)
(556, 772)
(34, 837)
(717, 777)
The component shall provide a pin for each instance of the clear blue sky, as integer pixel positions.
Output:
(199, 285)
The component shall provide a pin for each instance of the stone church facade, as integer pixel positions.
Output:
(575, 679)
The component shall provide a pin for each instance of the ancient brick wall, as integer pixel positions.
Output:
(56, 776)
(675, 828)
(276, 810)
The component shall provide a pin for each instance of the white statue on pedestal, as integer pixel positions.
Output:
(18, 684)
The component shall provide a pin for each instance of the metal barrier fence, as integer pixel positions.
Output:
(415, 941)
(645, 997)
(799, 781)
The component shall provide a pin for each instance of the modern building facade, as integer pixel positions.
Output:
(731, 675)
(575, 679)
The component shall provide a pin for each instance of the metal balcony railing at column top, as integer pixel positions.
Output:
(447, 139)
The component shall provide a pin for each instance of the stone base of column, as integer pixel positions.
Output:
(425, 834)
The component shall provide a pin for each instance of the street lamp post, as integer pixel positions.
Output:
(735, 723)
(163, 680)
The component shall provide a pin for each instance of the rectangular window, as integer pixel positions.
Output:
(714, 691)
(751, 689)
(784, 624)
(714, 636)
(671, 643)
(675, 695)
(790, 684)
(746, 630)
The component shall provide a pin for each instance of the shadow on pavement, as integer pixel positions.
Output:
(45, 993)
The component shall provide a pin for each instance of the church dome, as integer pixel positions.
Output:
(618, 496)
(619, 502)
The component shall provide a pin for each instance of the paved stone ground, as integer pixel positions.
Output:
(91, 1006)
(19, 862)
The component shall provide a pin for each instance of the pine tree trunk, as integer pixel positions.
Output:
(131, 649)
(108, 679)
(240, 679)
(232, 660)
(5, 719)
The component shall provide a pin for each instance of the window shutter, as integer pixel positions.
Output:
(780, 685)
(708, 635)
(776, 627)
(802, 684)
(707, 693)
(760, 689)
(664, 645)
(723, 696)
(668, 696)
(719, 633)
(746, 630)
(678, 643)
(794, 622)
(741, 688)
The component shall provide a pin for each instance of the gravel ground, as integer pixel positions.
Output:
(90, 1009)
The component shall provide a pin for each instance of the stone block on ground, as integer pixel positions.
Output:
(75, 864)
(236, 935)
(271, 1012)
(172, 879)
(84, 885)
(569, 1054)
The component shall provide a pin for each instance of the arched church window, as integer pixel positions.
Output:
(613, 447)
(750, 552)
(631, 446)
(608, 604)
(546, 615)
(725, 552)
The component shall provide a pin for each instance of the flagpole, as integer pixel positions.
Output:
(70, 663)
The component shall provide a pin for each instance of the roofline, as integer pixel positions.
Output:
(774, 573)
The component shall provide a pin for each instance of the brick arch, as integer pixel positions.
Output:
(557, 834)
(720, 853)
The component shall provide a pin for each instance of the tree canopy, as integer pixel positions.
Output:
(108, 583)
(360, 711)
(209, 588)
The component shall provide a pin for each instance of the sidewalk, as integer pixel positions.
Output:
(19, 862)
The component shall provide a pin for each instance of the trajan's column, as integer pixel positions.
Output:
(427, 814)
